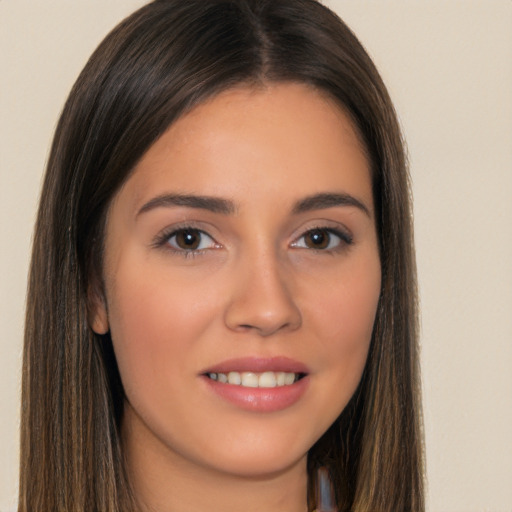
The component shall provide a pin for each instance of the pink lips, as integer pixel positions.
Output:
(258, 399)
(259, 365)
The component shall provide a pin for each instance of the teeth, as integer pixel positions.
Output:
(256, 380)
(289, 378)
(250, 380)
(234, 378)
(268, 380)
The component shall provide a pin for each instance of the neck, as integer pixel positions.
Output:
(163, 481)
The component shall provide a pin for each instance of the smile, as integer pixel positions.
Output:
(268, 379)
(258, 384)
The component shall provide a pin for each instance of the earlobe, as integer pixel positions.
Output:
(97, 313)
(99, 321)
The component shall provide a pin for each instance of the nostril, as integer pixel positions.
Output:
(263, 329)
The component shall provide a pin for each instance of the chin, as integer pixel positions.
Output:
(261, 455)
(262, 466)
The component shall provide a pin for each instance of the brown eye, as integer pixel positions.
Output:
(190, 240)
(323, 239)
(317, 239)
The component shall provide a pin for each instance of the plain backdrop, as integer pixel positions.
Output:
(448, 66)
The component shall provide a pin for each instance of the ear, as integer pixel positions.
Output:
(97, 310)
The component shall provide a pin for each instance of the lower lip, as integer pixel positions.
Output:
(259, 399)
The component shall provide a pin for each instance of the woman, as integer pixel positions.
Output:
(223, 272)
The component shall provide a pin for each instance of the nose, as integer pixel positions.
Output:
(261, 299)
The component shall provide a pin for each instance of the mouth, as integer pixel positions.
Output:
(258, 384)
(248, 379)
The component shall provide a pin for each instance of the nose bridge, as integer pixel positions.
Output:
(262, 296)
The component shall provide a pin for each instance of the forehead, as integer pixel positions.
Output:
(247, 140)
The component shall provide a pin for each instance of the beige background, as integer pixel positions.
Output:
(448, 65)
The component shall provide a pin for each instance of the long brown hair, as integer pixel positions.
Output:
(151, 69)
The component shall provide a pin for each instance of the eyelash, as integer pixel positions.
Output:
(162, 240)
(345, 239)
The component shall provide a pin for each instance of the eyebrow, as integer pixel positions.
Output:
(320, 201)
(212, 204)
(328, 200)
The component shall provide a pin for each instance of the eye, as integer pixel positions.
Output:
(190, 239)
(323, 239)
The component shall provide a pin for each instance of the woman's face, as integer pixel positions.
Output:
(242, 248)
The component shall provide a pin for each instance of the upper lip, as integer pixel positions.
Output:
(258, 365)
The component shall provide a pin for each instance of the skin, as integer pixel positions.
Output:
(257, 286)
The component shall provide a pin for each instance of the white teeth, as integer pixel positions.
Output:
(234, 378)
(256, 380)
(250, 380)
(268, 380)
(289, 378)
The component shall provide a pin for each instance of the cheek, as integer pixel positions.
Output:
(152, 318)
(348, 302)
(345, 316)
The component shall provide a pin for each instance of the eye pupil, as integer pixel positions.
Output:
(188, 239)
(317, 239)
